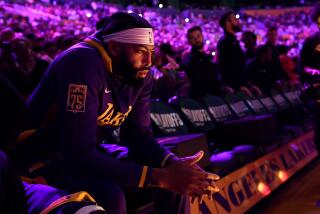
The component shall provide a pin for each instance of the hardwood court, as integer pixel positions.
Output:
(301, 195)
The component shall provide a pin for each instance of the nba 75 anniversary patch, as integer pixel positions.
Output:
(77, 95)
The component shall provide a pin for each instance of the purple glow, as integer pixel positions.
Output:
(293, 27)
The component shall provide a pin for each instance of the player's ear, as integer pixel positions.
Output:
(114, 48)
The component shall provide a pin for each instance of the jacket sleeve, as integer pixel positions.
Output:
(79, 76)
(136, 132)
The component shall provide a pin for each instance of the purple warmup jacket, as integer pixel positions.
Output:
(79, 101)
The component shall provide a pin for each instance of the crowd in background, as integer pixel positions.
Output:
(34, 34)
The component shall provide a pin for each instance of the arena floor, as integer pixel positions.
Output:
(301, 195)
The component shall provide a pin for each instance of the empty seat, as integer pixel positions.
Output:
(218, 109)
(237, 105)
(301, 113)
(224, 163)
(269, 104)
(258, 130)
(173, 133)
(166, 120)
(253, 103)
(280, 100)
(196, 114)
(201, 121)
(246, 153)
(286, 115)
(293, 96)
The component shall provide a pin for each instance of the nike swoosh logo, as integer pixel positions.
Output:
(107, 91)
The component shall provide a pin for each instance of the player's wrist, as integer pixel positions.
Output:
(154, 179)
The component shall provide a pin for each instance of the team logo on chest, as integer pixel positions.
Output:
(109, 117)
(77, 95)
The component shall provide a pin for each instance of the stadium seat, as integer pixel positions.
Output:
(173, 133)
(187, 144)
(237, 105)
(253, 103)
(269, 104)
(246, 153)
(286, 114)
(218, 109)
(166, 121)
(301, 113)
(280, 100)
(224, 163)
(196, 115)
(255, 130)
(199, 117)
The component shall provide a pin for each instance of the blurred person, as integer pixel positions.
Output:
(21, 197)
(260, 70)
(272, 42)
(100, 85)
(202, 72)
(272, 37)
(310, 67)
(67, 42)
(310, 52)
(32, 67)
(250, 43)
(165, 79)
(288, 66)
(231, 58)
(11, 69)
(6, 34)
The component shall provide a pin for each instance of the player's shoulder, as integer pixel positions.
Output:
(80, 50)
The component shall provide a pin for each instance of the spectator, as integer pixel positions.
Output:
(272, 42)
(250, 43)
(260, 70)
(203, 74)
(288, 66)
(231, 58)
(310, 53)
(165, 71)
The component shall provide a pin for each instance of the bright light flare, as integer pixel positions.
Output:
(283, 176)
(263, 189)
(89, 15)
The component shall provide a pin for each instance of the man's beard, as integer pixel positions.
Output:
(198, 46)
(236, 28)
(128, 72)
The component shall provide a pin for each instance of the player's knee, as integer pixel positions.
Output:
(111, 198)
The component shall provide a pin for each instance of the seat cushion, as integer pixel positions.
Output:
(223, 163)
(246, 153)
(253, 130)
(294, 130)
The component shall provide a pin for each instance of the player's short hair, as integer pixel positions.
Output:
(122, 21)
